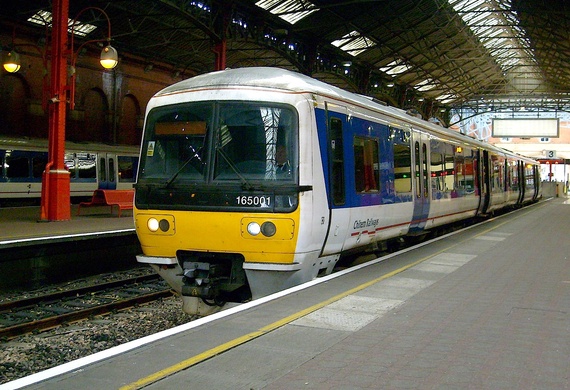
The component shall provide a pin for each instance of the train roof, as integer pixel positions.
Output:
(286, 80)
(263, 77)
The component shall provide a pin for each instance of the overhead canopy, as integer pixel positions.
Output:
(456, 53)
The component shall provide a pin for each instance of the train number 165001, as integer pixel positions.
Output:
(253, 200)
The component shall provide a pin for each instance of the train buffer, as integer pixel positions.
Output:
(123, 199)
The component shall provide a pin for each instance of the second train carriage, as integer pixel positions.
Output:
(254, 180)
(91, 166)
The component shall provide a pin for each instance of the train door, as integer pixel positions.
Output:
(522, 181)
(107, 171)
(537, 183)
(339, 214)
(485, 177)
(422, 189)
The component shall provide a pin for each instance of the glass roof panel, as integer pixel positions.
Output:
(497, 27)
(396, 67)
(354, 43)
(44, 18)
(289, 10)
(425, 85)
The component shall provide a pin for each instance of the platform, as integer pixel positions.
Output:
(486, 308)
(23, 223)
(34, 253)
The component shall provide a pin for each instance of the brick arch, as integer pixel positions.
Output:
(129, 131)
(90, 120)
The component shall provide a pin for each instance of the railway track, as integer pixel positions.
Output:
(47, 311)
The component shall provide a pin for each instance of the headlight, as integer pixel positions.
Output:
(268, 229)
(253, 228)
(152, 224)
(164, 225)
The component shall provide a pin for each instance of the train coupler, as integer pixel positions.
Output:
(214, 278)
(198, 281)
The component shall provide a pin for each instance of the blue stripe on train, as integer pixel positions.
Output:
(361, 127)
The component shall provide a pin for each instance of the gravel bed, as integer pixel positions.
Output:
(29, 354)
(79, 283)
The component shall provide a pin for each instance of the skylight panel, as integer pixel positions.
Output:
(289, 10)
(425, 85)
(44, 18)
(396, 67)
(41, 17)
(81, 29)
(354, 43)
(497, 28)
(446, 98)
(469, 5)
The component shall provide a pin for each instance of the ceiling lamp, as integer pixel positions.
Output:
(109, 57)
(11, 62)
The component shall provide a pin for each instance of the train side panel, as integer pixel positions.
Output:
(363, 205)
(22, 162)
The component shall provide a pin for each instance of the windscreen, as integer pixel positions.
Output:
(205, 145)
(220, 142)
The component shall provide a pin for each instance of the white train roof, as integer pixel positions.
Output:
(286, 80)
(265, 77)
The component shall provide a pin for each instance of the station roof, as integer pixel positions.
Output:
(453, 53)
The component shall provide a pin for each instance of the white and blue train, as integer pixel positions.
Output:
(91, 166)
(254, 180)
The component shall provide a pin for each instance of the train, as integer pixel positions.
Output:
(91, 166)
(254, 180)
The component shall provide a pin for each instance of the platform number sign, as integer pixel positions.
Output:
(551, 154)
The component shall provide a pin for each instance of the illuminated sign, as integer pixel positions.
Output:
(526, 128)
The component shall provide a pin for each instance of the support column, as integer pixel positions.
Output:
(56, 202)
(221, 23)
(220, 50)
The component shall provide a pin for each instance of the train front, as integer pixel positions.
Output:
(217, 196)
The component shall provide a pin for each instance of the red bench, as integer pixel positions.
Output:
(123, 199)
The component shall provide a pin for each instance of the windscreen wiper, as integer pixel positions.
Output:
(245, 184)
(173, 177)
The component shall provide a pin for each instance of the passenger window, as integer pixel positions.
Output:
(425, 170)
(449, 171)
(402, 170)
(437, 175)
(417, 170)
(86, 166)
(512, 175)
(495, 173)
(529, 176)
(17, 167)
(127, 168)
(465, 178)
(469, 174)
(366, 166)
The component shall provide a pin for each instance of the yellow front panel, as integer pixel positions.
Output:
(224, 232)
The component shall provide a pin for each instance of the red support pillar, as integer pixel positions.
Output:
(221, 23)
(220, 50)
(55, 204)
